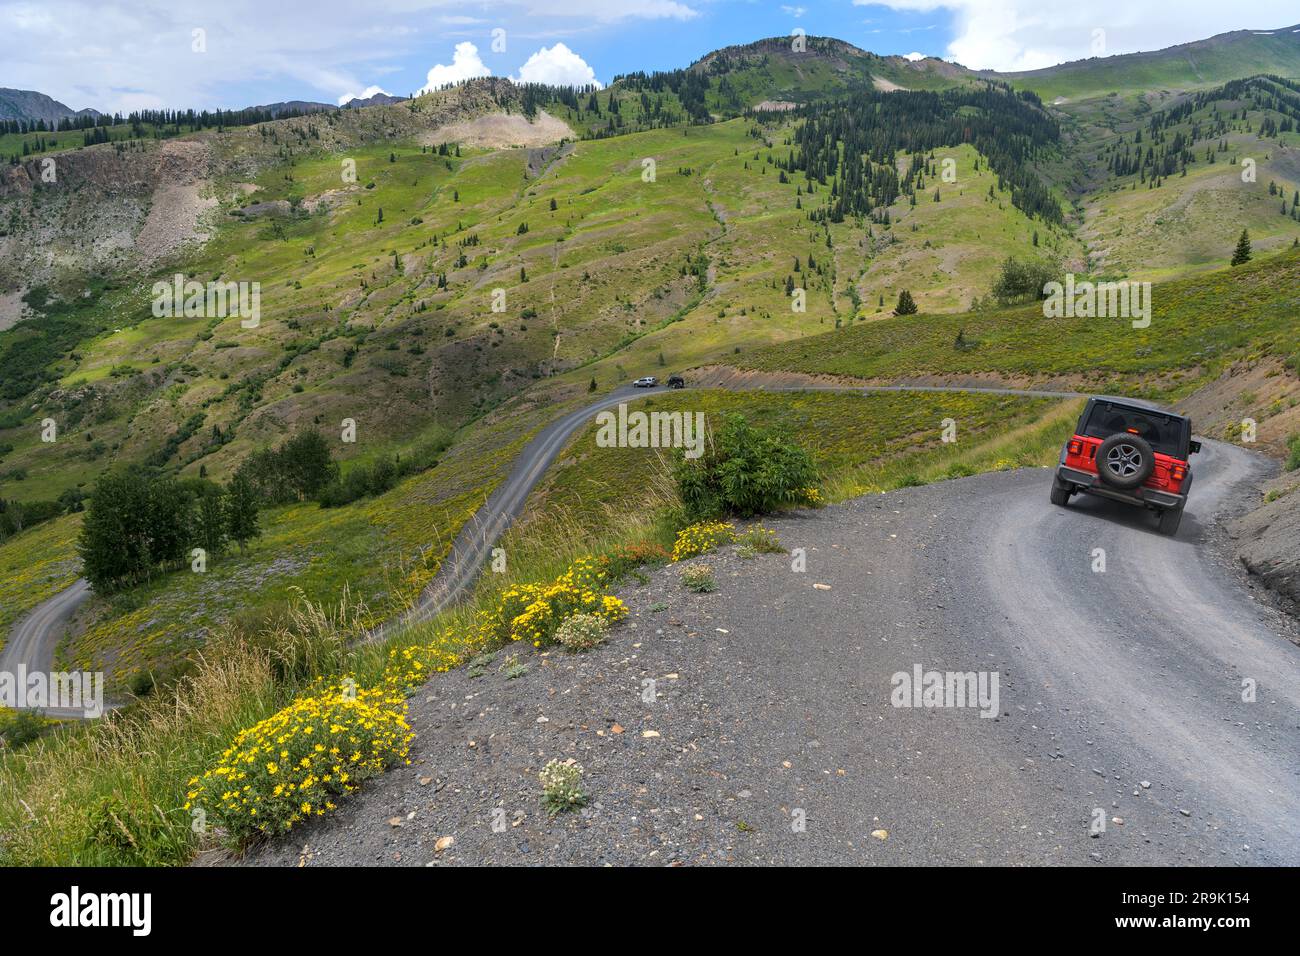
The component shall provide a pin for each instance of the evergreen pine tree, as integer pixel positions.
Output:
(241, 511)
(210, 525)
(1242, 253)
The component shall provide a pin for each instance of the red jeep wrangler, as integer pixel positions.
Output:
(1127, 451)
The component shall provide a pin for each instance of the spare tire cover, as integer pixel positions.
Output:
(1125, 461)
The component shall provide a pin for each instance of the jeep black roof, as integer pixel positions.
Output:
(1135, 403)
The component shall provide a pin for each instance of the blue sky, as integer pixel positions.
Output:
(127, 54)
(671, 43)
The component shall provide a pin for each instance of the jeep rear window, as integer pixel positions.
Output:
(1163, 432)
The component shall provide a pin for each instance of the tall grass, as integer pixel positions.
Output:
(544, 544)
(109, 792)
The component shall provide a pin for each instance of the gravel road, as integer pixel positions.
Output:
(1120, 700)
(32, 641)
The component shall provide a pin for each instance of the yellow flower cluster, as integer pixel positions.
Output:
(701, 538)
(532, 612)
(409, 667)
(292, 765)
(812, 496)
(758, 540)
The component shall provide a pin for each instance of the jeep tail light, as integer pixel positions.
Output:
(1178, 472)
(1075, 447)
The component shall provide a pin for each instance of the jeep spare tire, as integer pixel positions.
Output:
(1124, 461)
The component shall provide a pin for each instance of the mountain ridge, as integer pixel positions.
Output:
(34, 106)
(1198, 63)
(1176, 65)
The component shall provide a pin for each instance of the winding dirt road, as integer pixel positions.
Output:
(473, 545)
(31, 644)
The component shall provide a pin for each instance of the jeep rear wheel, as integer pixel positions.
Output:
(1124, 461)
(1060, 492)
(1170, 519)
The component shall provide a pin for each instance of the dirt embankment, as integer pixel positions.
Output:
(501, 130)
(1264, 395)
(182, 197)
(1268, 538)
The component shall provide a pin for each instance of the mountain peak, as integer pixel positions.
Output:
(824, 48)
(378, 99)
(31, 106)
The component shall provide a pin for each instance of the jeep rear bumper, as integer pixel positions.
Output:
(1143, 497)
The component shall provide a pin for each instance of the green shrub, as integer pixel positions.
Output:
(1022, 281)
(513, 667)
(746, 471)
(299, 469)
(363, 480)
(17, 516)
(21, 727)
(581, 632)
(141, 683)
(1293, 456)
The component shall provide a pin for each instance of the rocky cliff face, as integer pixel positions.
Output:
(98, 208)
(1268, 538)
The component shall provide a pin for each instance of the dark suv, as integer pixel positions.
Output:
(1127, 451)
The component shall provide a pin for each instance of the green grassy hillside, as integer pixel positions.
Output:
(692, 265)
(1199, 326)
(1203, 63)
(860, 443)
(1173, 186)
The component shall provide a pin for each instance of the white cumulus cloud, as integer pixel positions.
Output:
(914, 56)
(465, 65)
(557, 66)
(1030, 34)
